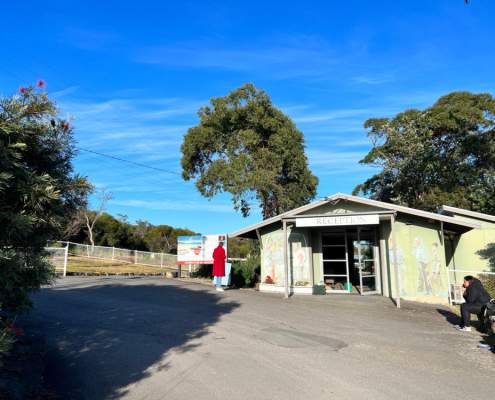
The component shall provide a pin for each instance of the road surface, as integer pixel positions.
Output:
(153, 338)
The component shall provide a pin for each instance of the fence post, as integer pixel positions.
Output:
(87, 250)
(66, 254)
(449, 286)
(113, 253)
(135, 256)
(161, 260)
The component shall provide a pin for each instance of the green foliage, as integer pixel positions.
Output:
(7, 340)
(38, 191)
(203, 271)
(246, 273)
(488, 253)
(488, 282)
(444, 154)
(247, 147)
(242, 248)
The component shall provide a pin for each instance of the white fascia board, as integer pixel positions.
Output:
(405, 210)
(467, 213)
(361, 200)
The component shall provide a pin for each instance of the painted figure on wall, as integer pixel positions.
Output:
(397, 255)
(273, 258)
(421, 255)
(436, 276)
(299, 259)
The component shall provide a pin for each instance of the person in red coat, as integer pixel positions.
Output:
(219, 257)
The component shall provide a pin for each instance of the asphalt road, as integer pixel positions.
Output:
(153, 338)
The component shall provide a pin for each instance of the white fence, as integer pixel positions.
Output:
(58, 258)
(456, 278)
(147, 258)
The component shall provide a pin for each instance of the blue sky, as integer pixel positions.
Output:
(132, 75)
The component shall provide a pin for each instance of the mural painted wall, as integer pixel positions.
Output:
(419, 252)
(299, 256)
(420, 258)
(272, 257)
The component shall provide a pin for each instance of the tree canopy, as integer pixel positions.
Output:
(247, 147)
(39, 190)
(444, 154)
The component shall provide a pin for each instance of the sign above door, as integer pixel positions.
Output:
(338, 220)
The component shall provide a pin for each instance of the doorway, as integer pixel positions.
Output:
(350, 260)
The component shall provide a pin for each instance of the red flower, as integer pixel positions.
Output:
(22, 89)
(65, 125)
(40, 83)
(17, 331)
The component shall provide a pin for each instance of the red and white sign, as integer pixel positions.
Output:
(198, 249)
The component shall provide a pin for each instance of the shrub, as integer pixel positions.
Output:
(39, 191)
(488, 282)
(203, 271)
(8, 334)
(246, 273)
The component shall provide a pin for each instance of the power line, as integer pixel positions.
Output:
(128, 161)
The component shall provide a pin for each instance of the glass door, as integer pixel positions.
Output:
(335, 261)
(365, 260)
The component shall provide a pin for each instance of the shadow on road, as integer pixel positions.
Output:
(450, 317)
(105, 337)
(454, 319)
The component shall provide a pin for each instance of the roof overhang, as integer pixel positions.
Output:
(448, 210)
(449, 223)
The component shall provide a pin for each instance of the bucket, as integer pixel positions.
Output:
(348, 286)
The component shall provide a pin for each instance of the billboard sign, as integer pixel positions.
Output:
(198, 249)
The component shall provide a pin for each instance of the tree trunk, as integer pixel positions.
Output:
(90, 232)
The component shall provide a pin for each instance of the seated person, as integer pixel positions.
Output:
(476, 298)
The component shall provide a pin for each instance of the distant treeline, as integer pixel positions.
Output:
(119, 232)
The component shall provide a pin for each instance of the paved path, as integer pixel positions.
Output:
(153, 338)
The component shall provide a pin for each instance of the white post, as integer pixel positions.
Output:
(449, 286)
(135, 256)
(286, 260)
(87, 250)
(66, 254)
(161, 260)
(396, 265)
(113, 253)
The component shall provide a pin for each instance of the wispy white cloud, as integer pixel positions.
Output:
(335, 162)
(331, 115)
(347, 115)
(291, 59)
(109, 123)
(373, 79)
(171, 205)
(331, 157)
(89, 39)
(189, 108)
(64, 92)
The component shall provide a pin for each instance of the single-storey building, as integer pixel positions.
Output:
(349, 244)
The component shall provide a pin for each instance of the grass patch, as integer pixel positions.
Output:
(82, 265)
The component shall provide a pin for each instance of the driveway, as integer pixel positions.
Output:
(153, 338)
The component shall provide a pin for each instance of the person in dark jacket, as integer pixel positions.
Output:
(476, 298)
